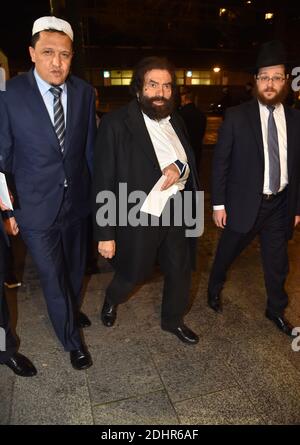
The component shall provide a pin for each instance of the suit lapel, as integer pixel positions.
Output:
(71, 94)
(176, 124)
(178, 130)
(137, 127)
(254, 118)
(254, 115)
(38, 107)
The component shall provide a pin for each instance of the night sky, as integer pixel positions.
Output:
(173, 24)
(16, 20)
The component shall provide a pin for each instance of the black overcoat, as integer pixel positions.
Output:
(124, 153)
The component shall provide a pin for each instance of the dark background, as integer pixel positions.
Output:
(186, 29)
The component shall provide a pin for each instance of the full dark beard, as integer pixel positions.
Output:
(277, 99)
(156, 112)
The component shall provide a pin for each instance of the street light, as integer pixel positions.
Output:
(269, 15)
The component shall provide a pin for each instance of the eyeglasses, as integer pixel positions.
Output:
(266, 79)
(151, 85)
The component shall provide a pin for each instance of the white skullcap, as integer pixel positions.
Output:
(51, 22)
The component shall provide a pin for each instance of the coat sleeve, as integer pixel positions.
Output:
(6, 145)
(2, 234)
(221, 161)
(104, 182)
(6, 138)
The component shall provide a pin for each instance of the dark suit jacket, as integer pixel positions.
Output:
(124, 154)
(30, 151)
(238, 166)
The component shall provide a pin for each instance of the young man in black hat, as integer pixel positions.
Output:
(255, 183)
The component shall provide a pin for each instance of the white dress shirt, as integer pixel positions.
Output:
(48, 97)
(167, 145)
(279, 117)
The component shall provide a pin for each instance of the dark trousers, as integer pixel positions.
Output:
(271, 227)
(10, 261)
(60, 254)
(174, 259)
(11, 342)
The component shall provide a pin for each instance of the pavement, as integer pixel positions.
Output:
(243, 371)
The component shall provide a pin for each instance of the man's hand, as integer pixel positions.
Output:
(219, 217)
(107, 248)
(11, 226)
(172, 175)
(297, 220)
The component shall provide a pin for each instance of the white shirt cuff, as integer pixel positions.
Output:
(220, 207)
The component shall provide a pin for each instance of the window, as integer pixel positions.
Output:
(180, 77)
(199, 78)
(119, 77)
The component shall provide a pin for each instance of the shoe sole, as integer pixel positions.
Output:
(187, 342)
(20, 374)
(107, 325)
(83, 367)
(217, 310)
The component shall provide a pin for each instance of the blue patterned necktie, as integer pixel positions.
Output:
(273, 150)
(59, 118)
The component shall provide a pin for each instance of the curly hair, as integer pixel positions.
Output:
(148, 64)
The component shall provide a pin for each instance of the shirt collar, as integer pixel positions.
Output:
(277, 106)
(45, 86)
(164, 121)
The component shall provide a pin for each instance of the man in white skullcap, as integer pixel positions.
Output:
(47, 130)
(54, 24)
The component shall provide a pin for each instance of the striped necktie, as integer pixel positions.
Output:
(59, 118)
(273, 150)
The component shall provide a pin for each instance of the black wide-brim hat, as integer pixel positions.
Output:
(271, 53)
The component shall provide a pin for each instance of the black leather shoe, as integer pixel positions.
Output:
(184, 334)
(282, 324)
(21, 365)
(83, 321)
(80, 359)
(214, 301)
(109, 314)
